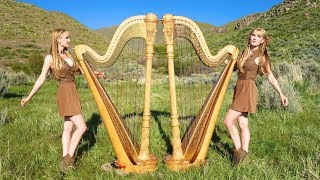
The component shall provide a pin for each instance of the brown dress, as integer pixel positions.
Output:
(67, 95)
(245, 95)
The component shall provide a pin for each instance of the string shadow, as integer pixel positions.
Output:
(89, 137)
(165, 137)
(12, 95)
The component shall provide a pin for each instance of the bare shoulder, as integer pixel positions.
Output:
(48, 59)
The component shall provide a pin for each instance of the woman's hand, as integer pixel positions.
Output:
(24, 101)
(284, 100)
(99, 74)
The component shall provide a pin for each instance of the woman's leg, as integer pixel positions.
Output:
(66, 136)
(245, 132)
(229, 122)
(81, 128)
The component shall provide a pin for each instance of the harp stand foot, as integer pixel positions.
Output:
(176, 165)
(147, 165)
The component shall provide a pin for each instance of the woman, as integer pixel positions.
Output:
(253, 60)
(63, 69)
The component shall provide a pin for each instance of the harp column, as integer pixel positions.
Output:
(151, 22)
(176, 161)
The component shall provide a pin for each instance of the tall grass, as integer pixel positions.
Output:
(284, 144)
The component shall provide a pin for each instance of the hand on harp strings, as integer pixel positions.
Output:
(100, 74)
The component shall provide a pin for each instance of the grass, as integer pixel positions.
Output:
(284, 145)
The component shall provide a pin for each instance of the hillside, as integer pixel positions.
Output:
(293, 26)
(26, 28)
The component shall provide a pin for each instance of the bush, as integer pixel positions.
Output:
(20, 67)
(291, 71)
(20, 78)
(3, 116)
(310, 71)
(5, 82)
(36, 63)
(287, 75)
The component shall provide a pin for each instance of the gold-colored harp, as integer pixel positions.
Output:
(130, 157)
(193, 147)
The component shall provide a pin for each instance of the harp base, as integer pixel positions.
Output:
(141, 166)
(176, 165)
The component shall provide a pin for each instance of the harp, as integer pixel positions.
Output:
(193, 147)
(130, 156)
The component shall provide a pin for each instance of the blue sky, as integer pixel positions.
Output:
(97, 14)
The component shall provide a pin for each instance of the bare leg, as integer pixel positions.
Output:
(66, 136)
(81, 128)
(229, 122)
(245, 132)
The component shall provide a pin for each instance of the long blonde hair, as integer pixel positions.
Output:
(54, 51)
(263, 55)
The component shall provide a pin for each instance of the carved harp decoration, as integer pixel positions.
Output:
(193, 147)
(130, 157)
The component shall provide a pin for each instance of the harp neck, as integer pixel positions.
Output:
(193, 34)
(136, 26)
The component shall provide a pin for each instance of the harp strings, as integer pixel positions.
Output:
(126, 85)
(194, 80)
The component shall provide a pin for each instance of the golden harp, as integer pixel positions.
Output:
(193, 147)
(130, 157)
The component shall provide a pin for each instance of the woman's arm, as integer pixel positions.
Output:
(46, 66)
(273, 81)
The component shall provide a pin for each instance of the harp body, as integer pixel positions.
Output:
(193, 147)
(130, 157)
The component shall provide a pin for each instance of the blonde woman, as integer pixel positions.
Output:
(254, 60)
(63, 69)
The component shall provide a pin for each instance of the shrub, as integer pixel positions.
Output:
(287, 75)
(291, 71)
(310, 71)
(36, 63)
(20, 78)
(4, 82)
(3, 116)
(23, 53)
(4, 52)
(19, 67)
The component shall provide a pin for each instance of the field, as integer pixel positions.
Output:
(284, 143)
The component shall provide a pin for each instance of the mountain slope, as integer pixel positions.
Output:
(294, 26)
(26, 28)
(295, 31)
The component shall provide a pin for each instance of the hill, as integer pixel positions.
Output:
(293, 25)
(27, 28)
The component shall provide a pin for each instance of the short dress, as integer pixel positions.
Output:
(67, 95)
(245, 95)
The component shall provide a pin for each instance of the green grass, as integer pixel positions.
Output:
(284, 145)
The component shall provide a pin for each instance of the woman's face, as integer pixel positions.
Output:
(64, 40)
(256, 38)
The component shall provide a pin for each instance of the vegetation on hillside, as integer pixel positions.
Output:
(26, 28)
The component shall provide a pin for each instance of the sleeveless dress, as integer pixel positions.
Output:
(245, 95)
(67, 95)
